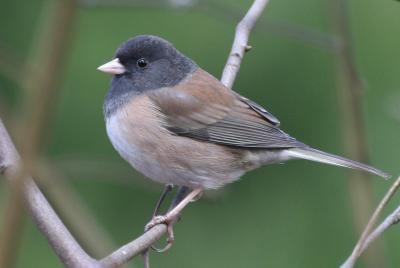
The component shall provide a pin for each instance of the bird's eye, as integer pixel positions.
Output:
(142, 63)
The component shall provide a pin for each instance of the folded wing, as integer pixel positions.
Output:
(203, 109)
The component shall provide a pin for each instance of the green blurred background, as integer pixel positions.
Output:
(294, 215)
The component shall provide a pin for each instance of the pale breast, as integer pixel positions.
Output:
(134, 133)
(137, 134)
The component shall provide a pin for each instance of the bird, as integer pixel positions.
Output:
(179, 125)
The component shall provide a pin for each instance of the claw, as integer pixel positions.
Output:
(169, 221)
(155, 221)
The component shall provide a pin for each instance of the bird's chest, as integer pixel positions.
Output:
(125, 140)
(136, 133)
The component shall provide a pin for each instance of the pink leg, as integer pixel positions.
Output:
(170, 218)
(168, 188)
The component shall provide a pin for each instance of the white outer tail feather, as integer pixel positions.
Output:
(309, 153)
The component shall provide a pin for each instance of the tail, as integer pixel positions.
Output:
(319, 156)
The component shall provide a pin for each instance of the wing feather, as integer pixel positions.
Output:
(203, 109)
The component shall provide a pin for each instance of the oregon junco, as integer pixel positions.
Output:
(177, 124)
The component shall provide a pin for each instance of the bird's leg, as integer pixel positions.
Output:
(168, 188)
(182, 193)
(170, 218)
(174, 212)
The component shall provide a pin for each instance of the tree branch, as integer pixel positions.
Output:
(48, 222)
(134, 248)
(240, 45)
(63, 243)
(390, 220)
(368, 236)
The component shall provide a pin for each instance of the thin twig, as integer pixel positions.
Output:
(240, 45)
(350, 92)
(367, 237)
(390, 220)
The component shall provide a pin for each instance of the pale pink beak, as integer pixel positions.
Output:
(112, 67)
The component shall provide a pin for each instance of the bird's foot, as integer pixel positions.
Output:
(172, 217)
(168, 220)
